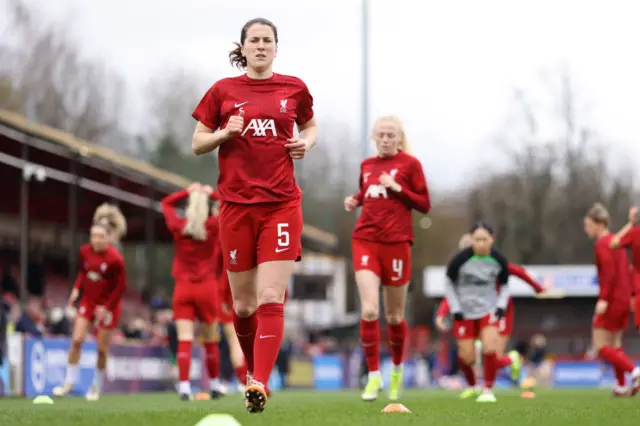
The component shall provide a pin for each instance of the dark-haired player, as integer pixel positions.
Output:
(252, 120)
(102, 279)
(392, 185)
(478, 305)
(513, 359)
(613, 308)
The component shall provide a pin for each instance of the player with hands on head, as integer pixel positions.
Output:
(251, 120)
(613, 308)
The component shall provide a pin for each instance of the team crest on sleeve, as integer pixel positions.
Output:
(283, 105)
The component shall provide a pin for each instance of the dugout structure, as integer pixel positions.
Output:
(52, 182)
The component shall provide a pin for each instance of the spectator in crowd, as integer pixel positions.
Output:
(31, 320)
(283, 360)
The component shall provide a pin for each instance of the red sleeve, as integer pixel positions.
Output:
(520, 272)
(628, 239)
(304, 107)
(443, 309)
(82, 273)
(359, 196)
(606, 271)
(119, 277)
(169, 211)
(208, 110)
(416, 195)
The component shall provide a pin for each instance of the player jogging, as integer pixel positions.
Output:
(102, 281)
(194, 297)
(478, 305)
(392, 185)
(513, 359)
(225, 317)
(613, 308)
(251, 119)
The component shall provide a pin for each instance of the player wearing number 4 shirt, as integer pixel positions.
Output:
(102, 281)
(477, 305)
(392, 184)
(251, 119)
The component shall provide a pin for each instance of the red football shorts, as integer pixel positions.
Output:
(471, 328)
(225, 308)
(195, 301)
(390, 262)
(109, 322)
(616, 318)
(252, 234)
(505, 324)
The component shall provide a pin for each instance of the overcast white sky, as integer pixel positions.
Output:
(448, 68)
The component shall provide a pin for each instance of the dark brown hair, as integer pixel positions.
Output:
(235, 56)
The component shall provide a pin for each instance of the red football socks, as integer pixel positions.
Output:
(183, 358)
(504, 361)
(617, 358)
(467, 372)
(246, 331)
(397, 337)
(213, 359)
(241, 373)
(620, 377)
(268, 339)
(490, 364)
(370, 336)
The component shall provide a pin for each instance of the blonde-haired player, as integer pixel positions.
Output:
(392, 185)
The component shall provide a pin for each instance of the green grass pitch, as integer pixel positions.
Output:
(314, 408)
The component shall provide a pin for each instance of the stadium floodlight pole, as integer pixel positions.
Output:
(365, 78)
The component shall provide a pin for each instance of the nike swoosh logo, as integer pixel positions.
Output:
(278, 250)
(267, 336)
(239, 105)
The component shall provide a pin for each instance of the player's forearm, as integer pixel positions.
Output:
(443, 309)
(204, 142)
(615, 242)
(503, 297)
(79, 281)
(417, 201)
(310, 134)
(452, 297)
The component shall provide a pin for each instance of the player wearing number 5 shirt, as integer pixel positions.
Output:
(392, 184)
(251, 119)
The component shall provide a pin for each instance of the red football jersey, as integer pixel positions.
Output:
(193, 260)
(255, 167)
(613, 272)
(386, 215)
(102, 277)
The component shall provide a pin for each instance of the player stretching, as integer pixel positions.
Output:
(252, 119)
(194, 297)
(225, 317)
(477, 305)
(513, 359)
(629, 238)
(614, 301)
(392, 184)
(102, 280)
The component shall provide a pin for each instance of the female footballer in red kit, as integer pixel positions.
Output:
(613, 308)
(195, 239)
(102, 279)
(392, 185)
(251, 119)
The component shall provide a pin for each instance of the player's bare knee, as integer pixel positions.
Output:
(210, 333)
(370, 312)
(244, 308)
(76, 346)
(394, 318)
(271, 294)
